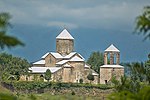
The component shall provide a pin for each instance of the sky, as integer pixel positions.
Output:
(95, 24)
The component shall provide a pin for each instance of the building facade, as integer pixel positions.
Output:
(69, 66)
(64, 64)
(111, 67)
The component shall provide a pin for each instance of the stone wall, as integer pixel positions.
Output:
(67, 72)
(50, 61)
(78, 91)
(64, 47)
(77, 71)
(106, 74)
(57, 76)
(81, 91)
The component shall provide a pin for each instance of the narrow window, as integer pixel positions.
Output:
(50, 60)
(105, 81)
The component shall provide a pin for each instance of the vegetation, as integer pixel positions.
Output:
(136, 86)
(90, 77)
(143, 94)
(41, 96)
(81, 81)
(11, 66)
(143, 23)
(47, 75)
(96, 60)
(6, 40)
(35, 85)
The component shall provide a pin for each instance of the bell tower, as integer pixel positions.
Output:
(111, 67)
(64, 43)
(113, 53)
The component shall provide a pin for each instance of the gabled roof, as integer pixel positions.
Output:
(70, 55)
(64, 35)
(94, 73)
(35, 69)
(62, 62)
(86, 66)
(81, 56)
(76, 58)
(56, 55)
(112, 48)
(40, 62)
(45, 55)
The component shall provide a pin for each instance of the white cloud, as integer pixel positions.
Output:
(91, 14)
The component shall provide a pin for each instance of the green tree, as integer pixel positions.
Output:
(140, 71)
(47, 75)
(10, 65)
(90, 77)
(143, 23)
(6, 40)
(126, 84)
(96, 60)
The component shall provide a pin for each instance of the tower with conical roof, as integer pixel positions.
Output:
(114, 54)
(111, 68)
(64, 43)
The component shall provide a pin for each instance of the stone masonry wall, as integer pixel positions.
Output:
(77, 71)
(64, 47)
(50, 61)
(107, 73)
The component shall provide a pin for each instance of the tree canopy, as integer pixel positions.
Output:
(10, 65)
(47, 75)
(96, 60)
(90, 77)
(143, 23)
(6, 40)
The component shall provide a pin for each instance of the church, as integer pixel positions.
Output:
(66, 65)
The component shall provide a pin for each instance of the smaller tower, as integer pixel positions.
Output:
(64, 43)
(113, 53)
(111, 67)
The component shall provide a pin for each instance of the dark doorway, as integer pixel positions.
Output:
(105, 81)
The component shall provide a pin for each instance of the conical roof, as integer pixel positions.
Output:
(112, 48)
(64, 35)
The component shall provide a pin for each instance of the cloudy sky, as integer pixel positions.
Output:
(95, 24)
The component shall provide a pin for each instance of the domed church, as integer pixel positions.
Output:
(66, 65)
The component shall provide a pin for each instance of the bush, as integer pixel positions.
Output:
(81, 81)
(39, 86)
(73, 93)
(32, 97)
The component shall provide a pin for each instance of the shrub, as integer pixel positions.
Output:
(81, 81)
(73, 93)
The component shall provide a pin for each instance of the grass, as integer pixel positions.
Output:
(4, 90)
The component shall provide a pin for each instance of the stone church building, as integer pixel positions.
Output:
(111, 68)
(69, 66)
